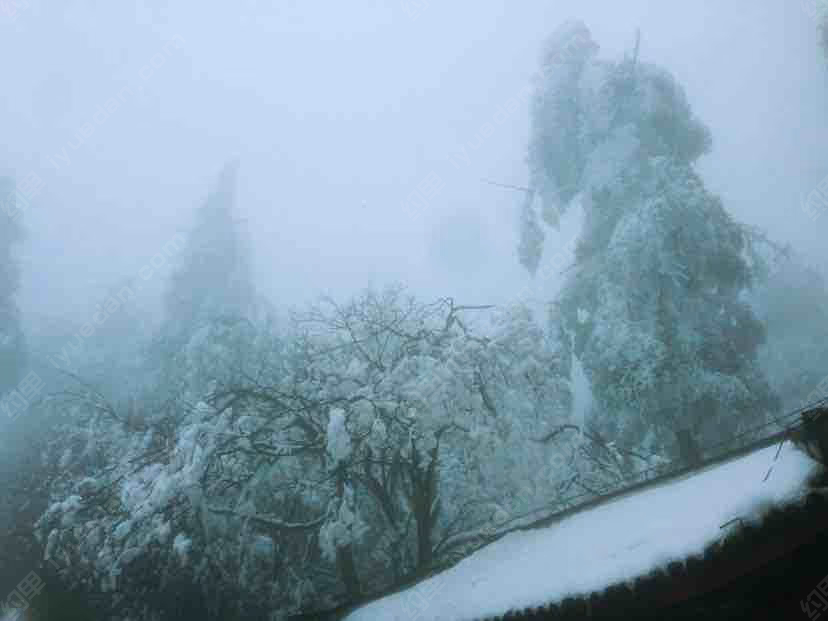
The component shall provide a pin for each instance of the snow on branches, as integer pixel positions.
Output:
(361, 443)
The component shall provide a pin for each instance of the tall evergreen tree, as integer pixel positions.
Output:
(12, 351)
(212, 279)
(654, 307)
(210, 294)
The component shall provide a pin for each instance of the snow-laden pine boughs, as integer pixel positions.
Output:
(555, 151)
(670, 342)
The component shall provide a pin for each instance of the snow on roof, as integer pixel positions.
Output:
(611, 543)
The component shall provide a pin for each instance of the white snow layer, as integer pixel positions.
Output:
(614, 542)
(339, 442)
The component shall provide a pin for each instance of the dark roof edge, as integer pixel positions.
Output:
(747, 550)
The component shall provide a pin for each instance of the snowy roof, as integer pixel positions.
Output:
(614, 542)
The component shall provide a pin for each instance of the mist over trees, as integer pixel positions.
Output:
(238, 458)
(792, 302)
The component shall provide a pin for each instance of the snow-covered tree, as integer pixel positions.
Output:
(448, 406)
(655, 306)
(210, 298)
(371, 440)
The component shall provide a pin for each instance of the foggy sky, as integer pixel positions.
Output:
(363, 131)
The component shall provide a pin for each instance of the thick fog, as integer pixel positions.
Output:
(304, 301)
(363, 130)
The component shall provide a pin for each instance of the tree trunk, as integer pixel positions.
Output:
(346, 567)
(424, 548)
(425, 493)
(345, 564)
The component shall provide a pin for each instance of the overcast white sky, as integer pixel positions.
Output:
(340, 111)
